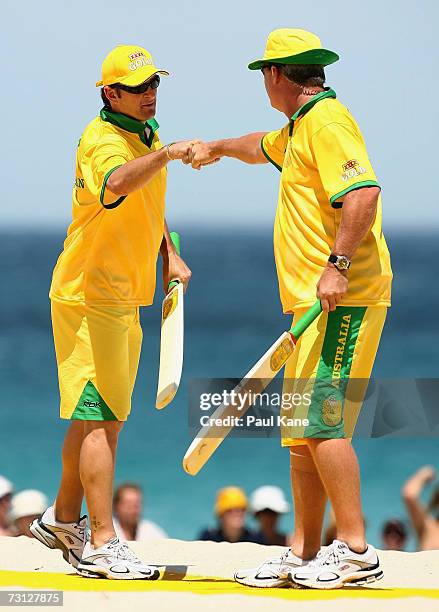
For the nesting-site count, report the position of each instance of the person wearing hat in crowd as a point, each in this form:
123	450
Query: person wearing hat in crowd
6	490
105	272
394	535
231	510
268	503
27	506
328	242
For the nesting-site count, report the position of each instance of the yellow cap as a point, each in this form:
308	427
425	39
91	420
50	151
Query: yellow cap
229	499
128	64
292	46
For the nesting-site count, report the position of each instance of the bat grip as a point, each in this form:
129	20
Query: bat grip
305	321
175	237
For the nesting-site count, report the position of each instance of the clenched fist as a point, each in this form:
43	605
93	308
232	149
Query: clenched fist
203	154
182	150
331	288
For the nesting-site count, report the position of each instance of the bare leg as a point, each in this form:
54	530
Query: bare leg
338	467
309	503
69	499
96	467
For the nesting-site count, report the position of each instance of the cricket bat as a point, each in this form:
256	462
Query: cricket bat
171	340
255	381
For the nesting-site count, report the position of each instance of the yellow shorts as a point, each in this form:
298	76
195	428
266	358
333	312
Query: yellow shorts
97	352
330	369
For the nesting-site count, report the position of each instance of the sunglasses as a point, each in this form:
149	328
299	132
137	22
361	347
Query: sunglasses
139	89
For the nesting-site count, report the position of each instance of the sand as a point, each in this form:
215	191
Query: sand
198	576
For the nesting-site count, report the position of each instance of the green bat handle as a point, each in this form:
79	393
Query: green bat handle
309	316
176	242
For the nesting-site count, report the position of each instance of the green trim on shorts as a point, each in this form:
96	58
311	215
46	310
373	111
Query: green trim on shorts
91	406
325	413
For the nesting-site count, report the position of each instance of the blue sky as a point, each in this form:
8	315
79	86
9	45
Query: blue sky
51	57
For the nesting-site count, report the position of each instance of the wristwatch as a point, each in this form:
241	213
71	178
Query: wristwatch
341	262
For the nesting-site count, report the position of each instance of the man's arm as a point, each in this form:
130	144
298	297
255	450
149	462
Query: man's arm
411	493
358	214
133	175
173	266
246	148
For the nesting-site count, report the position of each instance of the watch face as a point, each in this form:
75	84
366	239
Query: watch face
342	263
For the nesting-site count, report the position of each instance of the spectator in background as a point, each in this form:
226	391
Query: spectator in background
128	509
6	489
268	504
230	509
425	520
394	535
27	506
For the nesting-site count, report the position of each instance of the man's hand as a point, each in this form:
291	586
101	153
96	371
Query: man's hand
331	288
202	154
174	268
182	150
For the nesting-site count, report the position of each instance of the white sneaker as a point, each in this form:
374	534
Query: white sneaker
68	537
272	573
116	561
338	565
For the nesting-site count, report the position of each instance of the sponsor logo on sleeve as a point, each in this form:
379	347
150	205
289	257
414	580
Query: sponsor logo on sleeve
352	169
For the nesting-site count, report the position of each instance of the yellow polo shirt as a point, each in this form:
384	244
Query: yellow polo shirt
322	156
112	244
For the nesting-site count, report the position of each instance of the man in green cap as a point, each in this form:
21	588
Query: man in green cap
327	242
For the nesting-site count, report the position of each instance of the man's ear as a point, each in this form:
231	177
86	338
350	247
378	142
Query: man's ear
110	93
276	74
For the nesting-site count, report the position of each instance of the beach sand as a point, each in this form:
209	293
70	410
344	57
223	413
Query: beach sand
198	576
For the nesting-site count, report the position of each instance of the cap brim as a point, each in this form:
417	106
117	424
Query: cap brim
278	507
321	57
138	77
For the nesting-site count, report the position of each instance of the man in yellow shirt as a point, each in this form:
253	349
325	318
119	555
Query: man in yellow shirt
328	242
104	274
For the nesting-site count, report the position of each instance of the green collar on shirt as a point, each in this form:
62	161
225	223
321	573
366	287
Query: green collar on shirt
327	93
131	125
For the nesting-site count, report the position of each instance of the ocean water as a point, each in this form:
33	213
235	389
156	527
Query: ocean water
232	314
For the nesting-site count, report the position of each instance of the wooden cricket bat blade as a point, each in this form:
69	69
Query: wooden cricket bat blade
171	347
255	381
166	395
198	454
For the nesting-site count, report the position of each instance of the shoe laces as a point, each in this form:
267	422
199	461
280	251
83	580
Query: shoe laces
276	560
332	558
322	557
285	555
122	551
328	556
80	528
